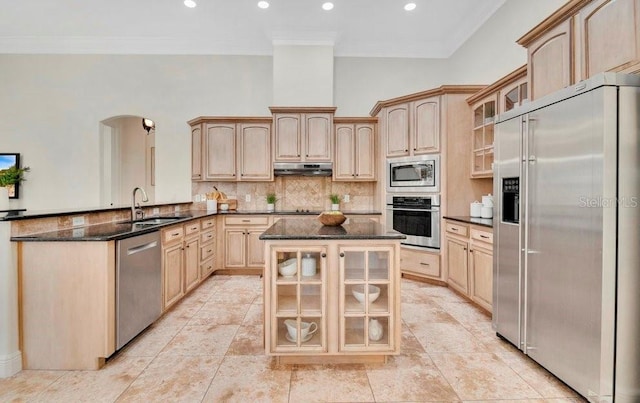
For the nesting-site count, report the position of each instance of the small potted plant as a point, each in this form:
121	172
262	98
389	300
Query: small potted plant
9	178
335	201
271	202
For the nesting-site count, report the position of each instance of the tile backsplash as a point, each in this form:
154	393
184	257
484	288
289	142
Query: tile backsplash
294	192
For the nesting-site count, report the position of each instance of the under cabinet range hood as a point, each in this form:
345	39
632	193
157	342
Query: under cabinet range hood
302	169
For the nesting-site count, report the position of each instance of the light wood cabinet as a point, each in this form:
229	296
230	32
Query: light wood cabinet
514	94
457	262
242	247
207	247
413	128
420	263
187	257
355	153
303	134
550	62
232	149
172	274
196	152
581	39
191	255
484	112
347	330
469	251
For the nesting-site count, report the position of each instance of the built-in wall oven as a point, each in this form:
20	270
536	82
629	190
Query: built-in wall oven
417	217
414	174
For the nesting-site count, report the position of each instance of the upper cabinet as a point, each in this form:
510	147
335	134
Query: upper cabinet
355	149
231	149
581	39
413	128
505	94
303	134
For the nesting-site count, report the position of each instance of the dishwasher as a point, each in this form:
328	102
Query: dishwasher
138	285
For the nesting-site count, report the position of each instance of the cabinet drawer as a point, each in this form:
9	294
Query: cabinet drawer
206	267
457	229
206	251
191	227
482	236
421	263
207	223
173	234
206	237
246	220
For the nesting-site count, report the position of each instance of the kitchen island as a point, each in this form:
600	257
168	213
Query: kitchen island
331	294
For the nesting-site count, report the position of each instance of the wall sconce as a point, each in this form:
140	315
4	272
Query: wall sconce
148	125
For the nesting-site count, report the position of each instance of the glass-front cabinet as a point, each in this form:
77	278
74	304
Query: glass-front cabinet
482	142
298	299
366	298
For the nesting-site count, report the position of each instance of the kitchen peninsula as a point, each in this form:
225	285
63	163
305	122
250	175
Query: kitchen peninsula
336	287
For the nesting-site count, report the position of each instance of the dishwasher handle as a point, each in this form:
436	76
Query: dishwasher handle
141	248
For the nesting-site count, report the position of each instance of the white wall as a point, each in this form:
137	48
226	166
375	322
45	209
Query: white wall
51	106
492	51
303	75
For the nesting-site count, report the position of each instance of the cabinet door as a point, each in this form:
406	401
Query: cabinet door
345	152
172	275
550	61
196	152
318	130
482	269
255	247
368	320
426	126
397	130
610	36
220	143
235	248
255	152
365	152
457	264
191	263
288	128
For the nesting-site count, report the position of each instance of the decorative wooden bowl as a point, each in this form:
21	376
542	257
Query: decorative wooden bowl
332	220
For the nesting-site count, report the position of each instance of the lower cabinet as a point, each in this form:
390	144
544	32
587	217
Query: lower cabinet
420	263
469	259
187	257
331	301
243	248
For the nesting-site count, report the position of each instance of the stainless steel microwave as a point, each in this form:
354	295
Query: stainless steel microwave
414	174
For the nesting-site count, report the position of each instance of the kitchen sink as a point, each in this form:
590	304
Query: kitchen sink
151	221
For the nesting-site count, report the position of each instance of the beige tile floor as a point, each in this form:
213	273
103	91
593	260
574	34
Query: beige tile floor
209	349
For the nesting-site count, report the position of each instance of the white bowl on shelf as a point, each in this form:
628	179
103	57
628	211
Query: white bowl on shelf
288	268
358	293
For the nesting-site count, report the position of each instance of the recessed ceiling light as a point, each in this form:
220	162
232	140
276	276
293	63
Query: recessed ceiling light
410	6
263	4
190	3
327	6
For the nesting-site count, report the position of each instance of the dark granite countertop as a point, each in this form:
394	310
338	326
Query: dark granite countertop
485	222
109	231
309	228
293	212
121	230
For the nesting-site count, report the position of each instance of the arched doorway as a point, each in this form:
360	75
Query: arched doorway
127	160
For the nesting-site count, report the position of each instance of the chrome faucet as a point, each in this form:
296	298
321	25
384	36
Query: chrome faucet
136	211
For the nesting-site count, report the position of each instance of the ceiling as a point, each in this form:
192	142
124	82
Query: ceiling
365	28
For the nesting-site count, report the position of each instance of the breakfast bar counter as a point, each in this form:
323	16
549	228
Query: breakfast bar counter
331	293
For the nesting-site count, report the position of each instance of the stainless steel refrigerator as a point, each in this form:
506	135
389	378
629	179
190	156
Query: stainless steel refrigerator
567	225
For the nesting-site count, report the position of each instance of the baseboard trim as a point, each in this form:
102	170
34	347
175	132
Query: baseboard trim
10	364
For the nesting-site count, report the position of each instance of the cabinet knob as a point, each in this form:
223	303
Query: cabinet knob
342	254
323	255
406	150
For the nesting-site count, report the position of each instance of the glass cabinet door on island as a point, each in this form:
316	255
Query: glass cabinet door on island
298	299
366	298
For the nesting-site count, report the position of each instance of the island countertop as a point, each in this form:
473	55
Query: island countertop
311	228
